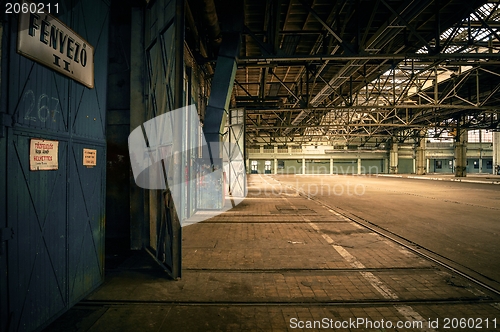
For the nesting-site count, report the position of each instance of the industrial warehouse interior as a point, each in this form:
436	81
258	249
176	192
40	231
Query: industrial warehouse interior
250	165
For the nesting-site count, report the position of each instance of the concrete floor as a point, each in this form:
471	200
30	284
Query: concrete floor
457	220
281	259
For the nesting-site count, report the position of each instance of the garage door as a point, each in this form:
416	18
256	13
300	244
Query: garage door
54	199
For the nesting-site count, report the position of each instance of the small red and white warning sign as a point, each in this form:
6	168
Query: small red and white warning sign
89	157
43	155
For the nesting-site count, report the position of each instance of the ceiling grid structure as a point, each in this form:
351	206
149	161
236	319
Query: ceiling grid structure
358	70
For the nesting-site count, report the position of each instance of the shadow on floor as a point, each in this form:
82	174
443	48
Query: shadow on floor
119	259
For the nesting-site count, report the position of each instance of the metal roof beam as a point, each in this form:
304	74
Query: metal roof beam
379	107
366	56
346	47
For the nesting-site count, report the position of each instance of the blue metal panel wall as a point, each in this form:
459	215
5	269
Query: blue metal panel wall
88	130
57	253
313	166
4	289
405	166
345	166
37	213
472	165
372	166
85	222
440	166
88	106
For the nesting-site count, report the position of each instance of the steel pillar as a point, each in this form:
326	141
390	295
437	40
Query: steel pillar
480	152
420	163
461	153
496	153
393	159
221	90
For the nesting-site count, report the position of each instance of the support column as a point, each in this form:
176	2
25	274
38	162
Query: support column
393	159
420	156
480	161
303	166
480	152
331	166
461	153
359	166
275	161
220	96
427	165
139	198
496	153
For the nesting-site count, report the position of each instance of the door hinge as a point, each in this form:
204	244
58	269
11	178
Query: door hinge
6	234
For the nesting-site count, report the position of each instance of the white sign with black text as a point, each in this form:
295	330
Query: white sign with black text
45	39
43	155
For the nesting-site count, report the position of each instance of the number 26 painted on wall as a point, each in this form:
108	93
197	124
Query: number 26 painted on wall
40	109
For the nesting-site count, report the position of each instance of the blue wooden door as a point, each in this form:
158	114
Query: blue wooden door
56	254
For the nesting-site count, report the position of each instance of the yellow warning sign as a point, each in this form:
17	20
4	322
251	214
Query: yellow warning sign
89	157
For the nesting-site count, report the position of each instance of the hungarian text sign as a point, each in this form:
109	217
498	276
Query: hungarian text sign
89	157
43	155
45	39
